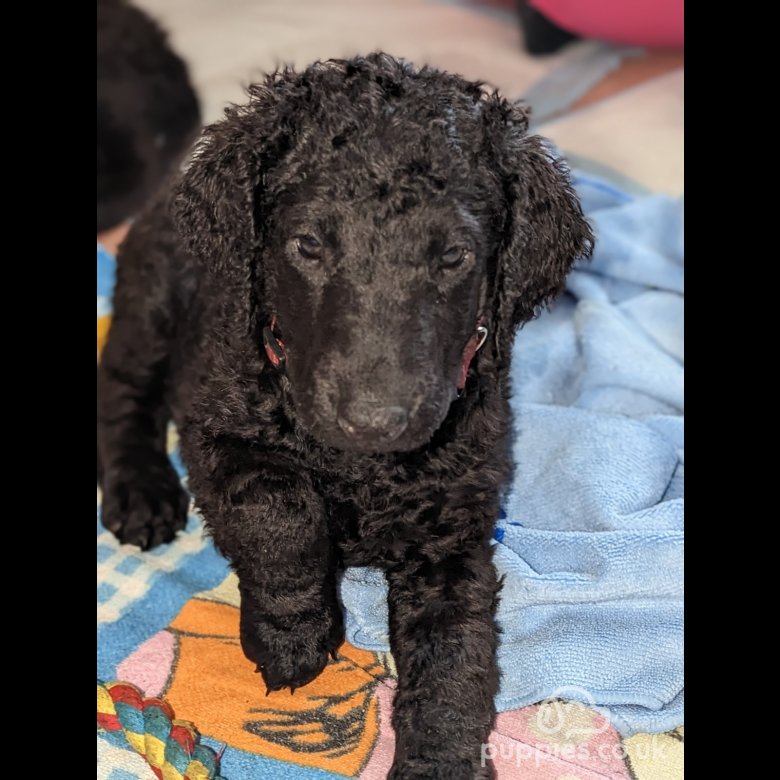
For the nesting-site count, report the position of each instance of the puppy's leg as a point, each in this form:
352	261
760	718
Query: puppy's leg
443	636
277	541
143	501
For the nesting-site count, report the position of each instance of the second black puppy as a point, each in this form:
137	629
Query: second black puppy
325	303
147	110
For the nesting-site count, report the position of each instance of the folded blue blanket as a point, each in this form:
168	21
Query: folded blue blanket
591	537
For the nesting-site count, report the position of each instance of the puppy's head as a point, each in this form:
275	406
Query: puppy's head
378	214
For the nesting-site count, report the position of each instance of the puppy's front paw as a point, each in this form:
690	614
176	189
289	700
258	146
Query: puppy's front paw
290	653
144	509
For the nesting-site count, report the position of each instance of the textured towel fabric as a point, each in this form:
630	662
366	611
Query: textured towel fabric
591	537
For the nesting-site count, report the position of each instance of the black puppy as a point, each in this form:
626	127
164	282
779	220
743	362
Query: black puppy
147	110
307	303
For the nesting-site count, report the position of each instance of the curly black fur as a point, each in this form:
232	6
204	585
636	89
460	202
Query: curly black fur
147	110
378	211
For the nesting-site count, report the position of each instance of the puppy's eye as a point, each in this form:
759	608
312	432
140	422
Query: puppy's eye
454	256
308	247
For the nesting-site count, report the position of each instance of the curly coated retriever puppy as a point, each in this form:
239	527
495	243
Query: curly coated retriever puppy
147	110
324	302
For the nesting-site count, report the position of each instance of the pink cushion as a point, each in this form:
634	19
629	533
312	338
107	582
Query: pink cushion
634	22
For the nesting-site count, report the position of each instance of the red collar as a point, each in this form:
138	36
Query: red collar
474	345
274	348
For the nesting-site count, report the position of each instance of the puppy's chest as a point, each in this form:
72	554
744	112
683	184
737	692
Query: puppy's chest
382	519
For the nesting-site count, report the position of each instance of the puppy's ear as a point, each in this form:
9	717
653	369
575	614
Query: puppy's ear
544	230
215	202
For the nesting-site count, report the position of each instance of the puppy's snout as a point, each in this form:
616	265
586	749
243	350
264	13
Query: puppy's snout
362	419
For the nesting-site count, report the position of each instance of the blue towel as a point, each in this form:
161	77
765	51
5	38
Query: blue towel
591	535
106	278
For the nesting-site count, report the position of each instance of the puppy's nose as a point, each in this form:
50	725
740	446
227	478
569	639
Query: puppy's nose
361	419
